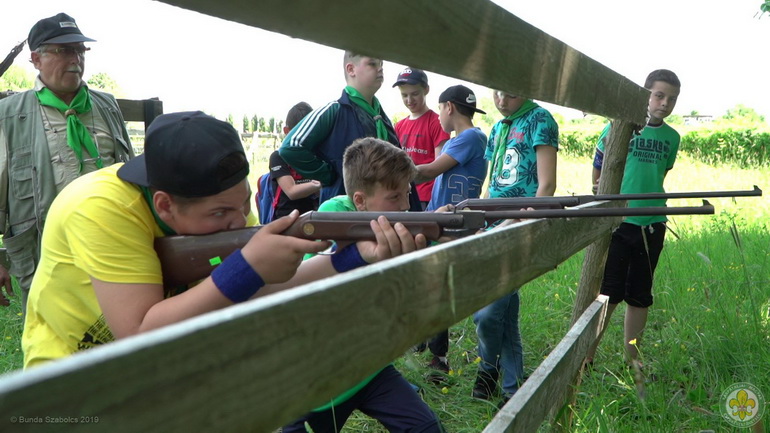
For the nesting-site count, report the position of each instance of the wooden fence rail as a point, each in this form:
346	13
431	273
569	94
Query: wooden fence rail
531	404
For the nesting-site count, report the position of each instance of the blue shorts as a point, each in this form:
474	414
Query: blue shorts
631	260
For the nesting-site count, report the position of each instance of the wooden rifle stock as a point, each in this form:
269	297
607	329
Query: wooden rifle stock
188	258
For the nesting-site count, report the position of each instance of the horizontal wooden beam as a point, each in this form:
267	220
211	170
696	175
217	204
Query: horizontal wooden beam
268	361
476	41
541	393
144	110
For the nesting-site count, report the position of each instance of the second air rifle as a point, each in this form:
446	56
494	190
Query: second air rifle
189	258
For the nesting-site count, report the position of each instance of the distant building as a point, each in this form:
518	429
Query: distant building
697	119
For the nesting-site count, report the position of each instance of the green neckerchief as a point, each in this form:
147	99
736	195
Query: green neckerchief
168	231
77	133
373	110
502	137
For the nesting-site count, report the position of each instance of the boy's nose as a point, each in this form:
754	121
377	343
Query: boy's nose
405	204
238	222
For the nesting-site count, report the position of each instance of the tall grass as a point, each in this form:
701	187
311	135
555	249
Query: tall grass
709	326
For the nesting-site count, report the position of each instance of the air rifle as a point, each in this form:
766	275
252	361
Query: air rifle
560	202
188	258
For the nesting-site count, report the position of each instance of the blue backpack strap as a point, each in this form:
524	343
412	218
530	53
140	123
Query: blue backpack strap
266	199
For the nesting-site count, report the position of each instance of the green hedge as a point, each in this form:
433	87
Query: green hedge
743	148
580	143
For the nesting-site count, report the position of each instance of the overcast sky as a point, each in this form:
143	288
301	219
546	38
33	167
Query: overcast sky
190	61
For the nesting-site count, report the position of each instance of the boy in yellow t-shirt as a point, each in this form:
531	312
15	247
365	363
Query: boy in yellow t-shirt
99	277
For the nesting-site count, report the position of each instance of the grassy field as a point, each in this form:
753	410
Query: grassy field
709	327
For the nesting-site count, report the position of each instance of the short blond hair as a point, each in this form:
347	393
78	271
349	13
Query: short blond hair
370	161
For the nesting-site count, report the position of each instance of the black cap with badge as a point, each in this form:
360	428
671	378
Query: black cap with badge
189	154
460	95
58	29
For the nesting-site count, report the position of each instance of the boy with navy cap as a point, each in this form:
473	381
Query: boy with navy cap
99	277
61	128
420	134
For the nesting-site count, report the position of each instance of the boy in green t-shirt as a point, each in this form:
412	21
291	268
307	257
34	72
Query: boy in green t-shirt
637	243
377	178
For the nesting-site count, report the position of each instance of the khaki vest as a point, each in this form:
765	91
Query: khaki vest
30	187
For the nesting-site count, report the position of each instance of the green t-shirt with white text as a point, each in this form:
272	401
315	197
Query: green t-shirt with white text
650	155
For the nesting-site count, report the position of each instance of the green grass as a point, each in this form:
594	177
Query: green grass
709	327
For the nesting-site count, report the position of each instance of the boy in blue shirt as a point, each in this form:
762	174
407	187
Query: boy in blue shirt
459	172
460	168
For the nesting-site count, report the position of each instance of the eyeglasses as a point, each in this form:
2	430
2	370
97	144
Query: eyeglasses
68	51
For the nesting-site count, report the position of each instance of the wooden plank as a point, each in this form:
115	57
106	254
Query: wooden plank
527	409
477	41
268	361
133	110
143	110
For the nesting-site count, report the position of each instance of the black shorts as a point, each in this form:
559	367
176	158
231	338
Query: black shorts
631	260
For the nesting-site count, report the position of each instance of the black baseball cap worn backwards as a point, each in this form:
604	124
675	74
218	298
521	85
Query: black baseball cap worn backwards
460	95
188	154
411	76
58	29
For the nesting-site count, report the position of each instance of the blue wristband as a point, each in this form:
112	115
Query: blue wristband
347	259
236	279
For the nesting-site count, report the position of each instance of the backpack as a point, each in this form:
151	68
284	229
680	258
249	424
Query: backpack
268	193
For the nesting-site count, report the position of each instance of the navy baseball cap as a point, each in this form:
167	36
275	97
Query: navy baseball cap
460	95
412	76
58	29
189	154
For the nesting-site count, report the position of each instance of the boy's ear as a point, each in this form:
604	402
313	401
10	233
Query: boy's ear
359	200
286	130
350	69
427	89
164	206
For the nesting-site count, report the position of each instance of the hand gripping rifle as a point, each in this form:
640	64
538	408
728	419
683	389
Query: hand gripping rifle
188	258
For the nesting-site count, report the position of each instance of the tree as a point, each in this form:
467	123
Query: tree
17	79
743	114
262	126
271	125
230	119
105	83
246	128
255	123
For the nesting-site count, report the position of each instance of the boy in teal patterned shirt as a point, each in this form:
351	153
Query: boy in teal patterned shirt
522	153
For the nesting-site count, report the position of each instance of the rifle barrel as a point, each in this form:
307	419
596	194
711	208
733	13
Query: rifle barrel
674	195
706	209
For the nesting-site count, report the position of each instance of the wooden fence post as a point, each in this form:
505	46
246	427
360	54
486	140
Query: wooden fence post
615	153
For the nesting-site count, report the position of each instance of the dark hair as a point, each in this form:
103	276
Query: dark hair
662	75
297	113
465	111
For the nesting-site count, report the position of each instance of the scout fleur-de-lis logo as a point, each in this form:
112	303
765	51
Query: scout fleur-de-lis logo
742	404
